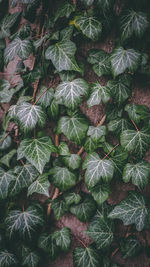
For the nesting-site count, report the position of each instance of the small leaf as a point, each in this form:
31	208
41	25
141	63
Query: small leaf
64	10
131	210
48	244
6	179
98	93
4	85
101	62
30	258
90	145
62	55
86	257
6	95
5	141
84	210
7	158
40	185
63	149
59	207
139	173
97	133
7	259
62	178
96	169
7	23
130	247
53	110
137	112
105	5
72	162
118	126
62	238
45	97
70	93
67	75
123	59
37	151
90	27
74	127
72	198
87	2
119	160
100	193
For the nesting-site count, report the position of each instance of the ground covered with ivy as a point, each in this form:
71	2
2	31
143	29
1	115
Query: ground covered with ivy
74	133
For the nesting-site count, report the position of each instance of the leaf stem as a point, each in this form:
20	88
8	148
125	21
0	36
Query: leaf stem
110	151
40	97
81	241
22	162
135	125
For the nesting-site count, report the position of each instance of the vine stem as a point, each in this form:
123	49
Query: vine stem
40	97
135	125
81	241
110	151
22	162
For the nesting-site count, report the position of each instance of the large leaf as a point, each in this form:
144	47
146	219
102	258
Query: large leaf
62	238
40	186
30	258
74	127
37	151
133	23
62	178
30	115
97	169
24	222
70	93
22	48
131	210
137	112
48	245
24	176
124	59
6	179
130	247
64	10
101	62
62	55
98	93
7	259
136	141
84	210
87	256
90	27
139	173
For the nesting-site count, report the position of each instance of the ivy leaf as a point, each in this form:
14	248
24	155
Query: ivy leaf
66	33
63	149
139	173
62	238
45	97
4	85
98	93
101	231
123	59
101	62
90	145
40	186
86	257
5	141
87	2
7	158
6	179
7	23
30	115
100	193
137	112
131	210
74	127
24	222
24	176
62	55
68	179
48	244
64	10
136	141
97	133
72	162
30	258
53	110
67	75
59	207
37	151
130	247
97	168
119	125
90	27
119	160
7	259
84	210
6	95
133	23
105	5
72	198
22	48
69	93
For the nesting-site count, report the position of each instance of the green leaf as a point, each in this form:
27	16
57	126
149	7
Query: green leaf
72	162
105	5
7	23
62	55
87	2
30	258
84	210
101	62
131	210
100	193
133	23
40	185
4	85
22	48
68	179
6	179
98	93
6	95
70	93
118	126
74	127
64	10
45	96
59	207
72	198
24	176
119	160
62	238
101	231
37	151
53	110
29	116
136	141
139	173
7	158
48	244
5	141
63	149
130	247
7	259
86	257
124	59
137	112
24	222
97	169
90	27
90	145
97	133
67	75
66	33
